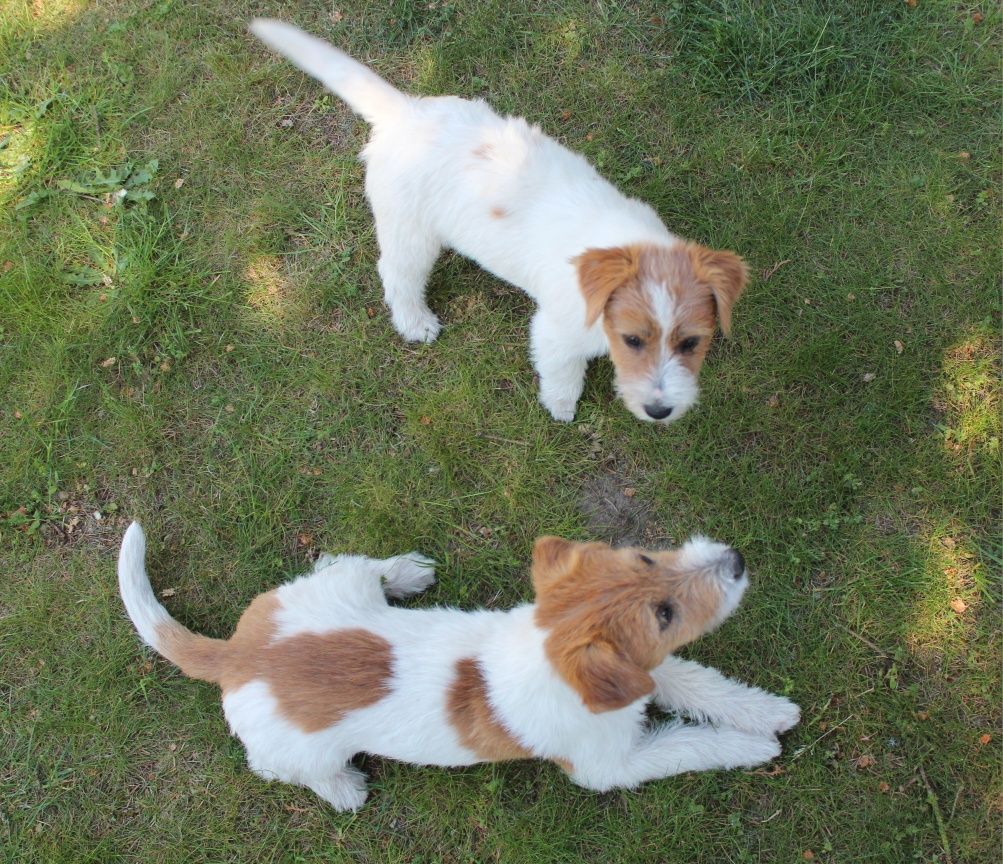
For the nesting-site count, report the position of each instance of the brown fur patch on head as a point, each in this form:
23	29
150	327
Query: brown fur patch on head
498	212
316	678
471	714
692	295
600	273
726	274
601	608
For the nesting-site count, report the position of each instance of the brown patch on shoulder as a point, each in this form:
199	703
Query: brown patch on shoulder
473	718
498	212
317	678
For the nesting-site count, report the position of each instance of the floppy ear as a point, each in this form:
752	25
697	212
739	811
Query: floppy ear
600	273
552	557
605	678
727	275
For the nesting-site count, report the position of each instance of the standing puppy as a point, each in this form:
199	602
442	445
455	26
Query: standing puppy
607	275
323	668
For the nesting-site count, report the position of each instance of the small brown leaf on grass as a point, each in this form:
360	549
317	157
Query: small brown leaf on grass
959	605
336	17
17	414
179	182
229	409
869	377
899	347
808	855
912	4
978	17
964	155
865	761
883	787
168	592
228	349
426	420
8	266
370	311
629	492
985	739
109	362
922	715
565	116
304	539
773	401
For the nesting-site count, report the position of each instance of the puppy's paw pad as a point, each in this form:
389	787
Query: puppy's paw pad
409	574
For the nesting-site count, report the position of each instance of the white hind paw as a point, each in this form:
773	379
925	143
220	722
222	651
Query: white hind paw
408	574
346	790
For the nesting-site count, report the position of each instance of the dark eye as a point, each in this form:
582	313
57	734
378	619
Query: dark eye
689	344
663	612
633	341
646	560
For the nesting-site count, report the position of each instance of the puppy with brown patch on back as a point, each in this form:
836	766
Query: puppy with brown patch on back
323	668
607	276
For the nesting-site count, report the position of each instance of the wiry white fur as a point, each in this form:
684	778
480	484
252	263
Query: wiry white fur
438	168
532	701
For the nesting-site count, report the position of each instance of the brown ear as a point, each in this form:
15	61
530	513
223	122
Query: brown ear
552	557
727	275
600	273
605	678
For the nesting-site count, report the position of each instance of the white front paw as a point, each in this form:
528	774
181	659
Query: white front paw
417	326
409	574
559	408
785	715
767	713
760	750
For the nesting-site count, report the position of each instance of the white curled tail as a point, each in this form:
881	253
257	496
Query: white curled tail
366	93
197	656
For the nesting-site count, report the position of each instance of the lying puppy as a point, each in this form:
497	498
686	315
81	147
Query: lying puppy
607	275
323	668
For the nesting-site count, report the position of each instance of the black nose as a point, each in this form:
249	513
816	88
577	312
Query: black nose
658	412
737	564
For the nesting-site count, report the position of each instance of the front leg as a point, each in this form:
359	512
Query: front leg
706	694
560	365
677	749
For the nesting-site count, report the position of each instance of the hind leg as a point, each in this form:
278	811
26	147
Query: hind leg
343	790
407	252
375	578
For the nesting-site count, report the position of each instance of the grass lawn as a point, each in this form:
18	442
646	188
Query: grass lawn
211	356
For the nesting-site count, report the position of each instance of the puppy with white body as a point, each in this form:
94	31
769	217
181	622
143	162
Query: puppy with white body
607	276
323	668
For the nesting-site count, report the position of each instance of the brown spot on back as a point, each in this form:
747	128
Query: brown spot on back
316	678
483	151
472	716
498	213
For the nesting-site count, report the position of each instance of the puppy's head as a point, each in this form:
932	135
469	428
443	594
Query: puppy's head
611	615
659	304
